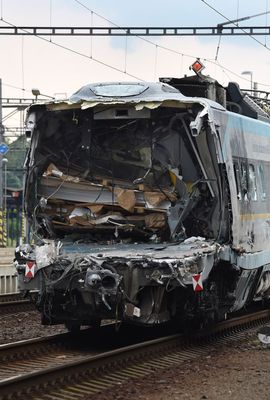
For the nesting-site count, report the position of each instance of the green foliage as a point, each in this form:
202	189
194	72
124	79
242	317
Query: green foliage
16	156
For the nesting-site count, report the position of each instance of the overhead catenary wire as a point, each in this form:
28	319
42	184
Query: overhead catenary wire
118	69
78	53
146	40
235	24
155	63
181	64
15	87
237	9
22	61
91	37
223	68
126	50
266	18
137	36
218	47
10	114
50	16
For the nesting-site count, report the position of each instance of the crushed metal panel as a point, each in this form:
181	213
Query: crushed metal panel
130	194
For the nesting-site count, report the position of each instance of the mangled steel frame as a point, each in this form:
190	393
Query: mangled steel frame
132	202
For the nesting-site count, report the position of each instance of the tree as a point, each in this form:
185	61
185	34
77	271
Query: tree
16	157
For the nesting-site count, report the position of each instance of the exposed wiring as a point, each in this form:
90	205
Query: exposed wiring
38	205
65	179
57	189
99	194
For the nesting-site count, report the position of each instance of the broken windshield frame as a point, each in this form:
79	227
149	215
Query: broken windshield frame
119	89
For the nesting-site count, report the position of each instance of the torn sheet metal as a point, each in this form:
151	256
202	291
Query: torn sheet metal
46	253
129	204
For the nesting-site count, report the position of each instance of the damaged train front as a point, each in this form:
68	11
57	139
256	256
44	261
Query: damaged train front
123	202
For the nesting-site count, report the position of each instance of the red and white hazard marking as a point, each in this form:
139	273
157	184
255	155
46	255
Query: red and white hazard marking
30	269
197	282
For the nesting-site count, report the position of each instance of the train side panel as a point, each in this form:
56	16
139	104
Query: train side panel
245	146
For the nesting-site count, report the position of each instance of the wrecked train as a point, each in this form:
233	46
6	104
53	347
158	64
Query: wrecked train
147	202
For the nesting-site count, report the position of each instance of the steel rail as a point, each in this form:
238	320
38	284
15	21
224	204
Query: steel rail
14	303
10	297
92	373
14	307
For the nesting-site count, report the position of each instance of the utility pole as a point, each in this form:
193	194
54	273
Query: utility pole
1	157
2	225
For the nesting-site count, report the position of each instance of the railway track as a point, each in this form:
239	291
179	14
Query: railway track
75	367
14	303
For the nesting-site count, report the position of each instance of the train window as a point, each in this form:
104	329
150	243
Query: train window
252	185
261	182
244	181
237	175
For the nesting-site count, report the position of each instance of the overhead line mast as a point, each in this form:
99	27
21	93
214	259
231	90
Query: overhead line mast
135	31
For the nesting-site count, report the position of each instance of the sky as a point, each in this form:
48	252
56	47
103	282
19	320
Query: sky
31	62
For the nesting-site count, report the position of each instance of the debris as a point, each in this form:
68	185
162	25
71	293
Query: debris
120	183
154	198
46	253
194	239
155	220
52	170
126	198
264	335
80	216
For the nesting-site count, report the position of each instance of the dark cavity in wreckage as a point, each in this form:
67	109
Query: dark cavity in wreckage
147	202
